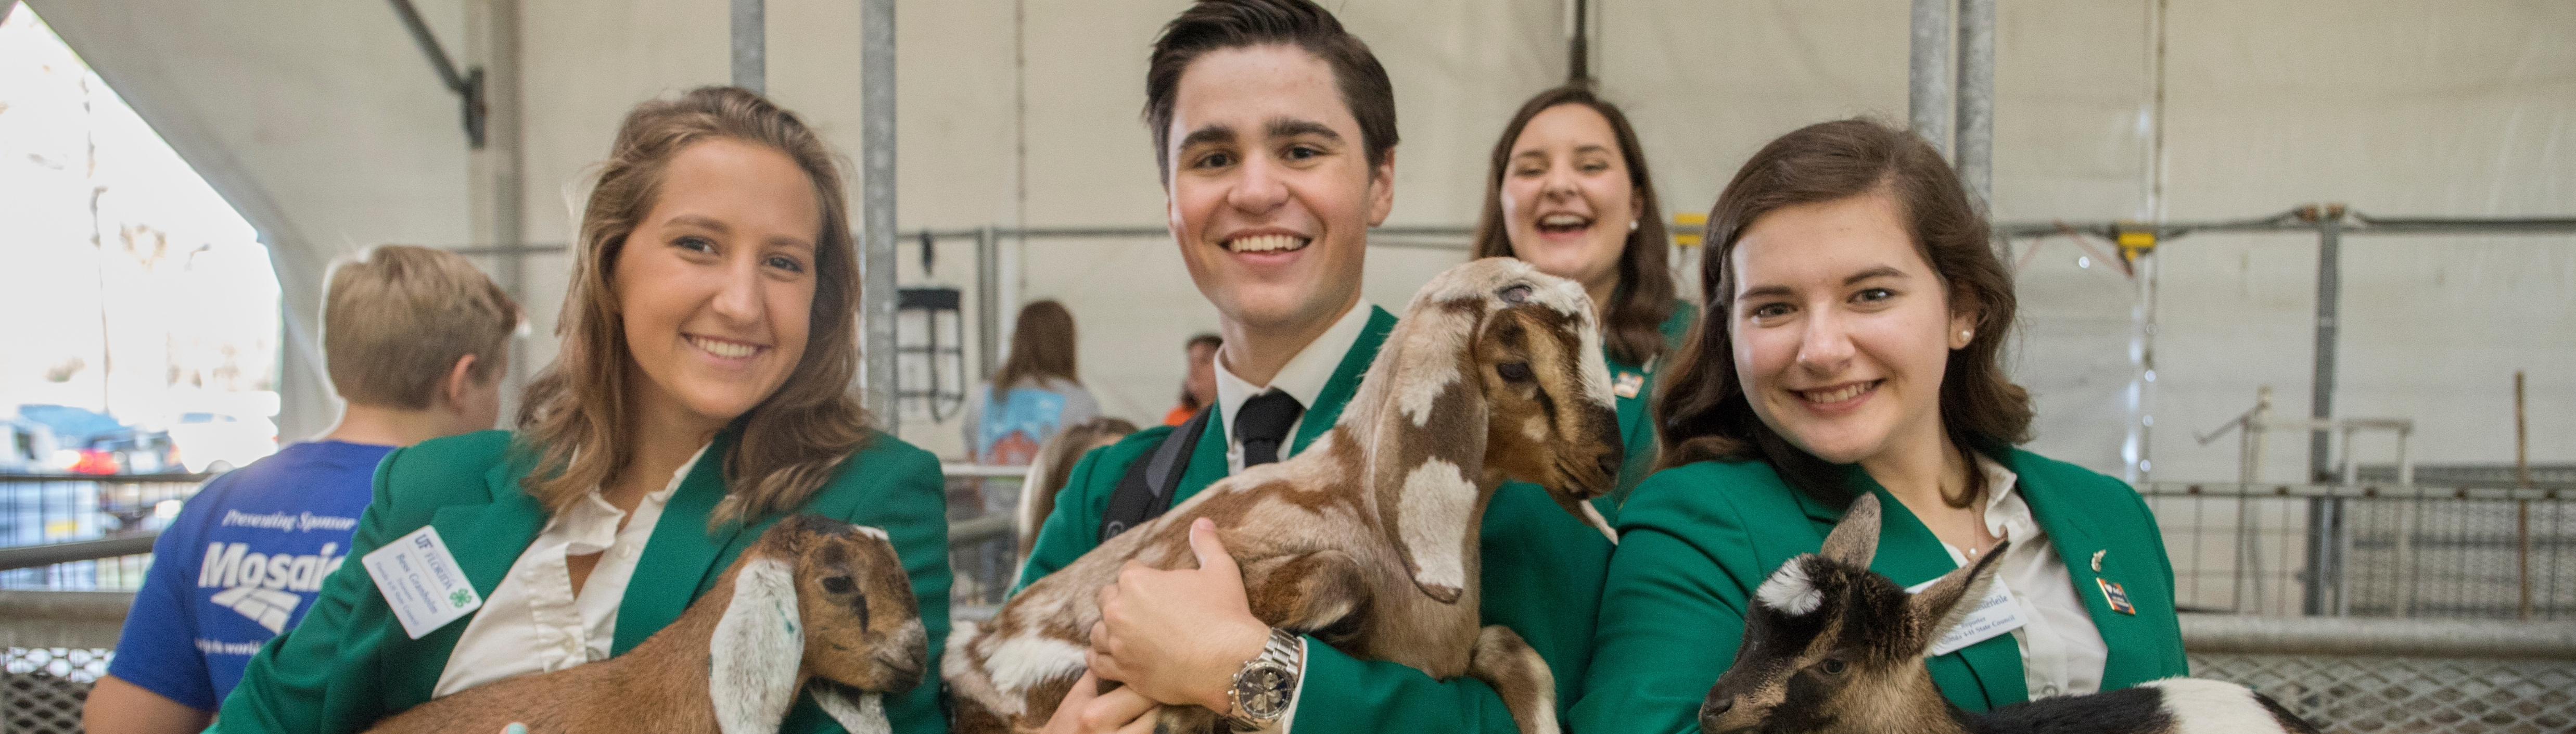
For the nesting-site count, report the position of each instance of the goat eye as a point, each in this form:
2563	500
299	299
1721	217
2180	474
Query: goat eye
1834	666
837	584
1515	371
1518	293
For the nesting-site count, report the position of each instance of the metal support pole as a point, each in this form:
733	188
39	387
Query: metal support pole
751	45
876	207
2329	305
1927	78
988	303
1578	64
1976	120
2325	516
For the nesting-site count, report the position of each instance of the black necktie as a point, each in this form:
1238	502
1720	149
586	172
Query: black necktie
1263	424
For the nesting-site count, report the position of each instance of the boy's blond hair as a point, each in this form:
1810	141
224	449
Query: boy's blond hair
396	318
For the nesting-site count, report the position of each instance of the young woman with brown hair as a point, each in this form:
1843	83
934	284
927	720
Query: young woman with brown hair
702	392
1037	392
1568	191
1857	313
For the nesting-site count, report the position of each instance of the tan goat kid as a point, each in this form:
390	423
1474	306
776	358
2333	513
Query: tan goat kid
1367	539
815	602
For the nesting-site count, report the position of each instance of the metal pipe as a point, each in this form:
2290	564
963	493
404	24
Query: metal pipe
420	35
1578	50
751	45
876	207
1976	120
2329	223
2246	634
988	303
1927	99
31	556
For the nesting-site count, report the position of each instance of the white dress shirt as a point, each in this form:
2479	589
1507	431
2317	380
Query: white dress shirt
533	622
1302	378
2061	652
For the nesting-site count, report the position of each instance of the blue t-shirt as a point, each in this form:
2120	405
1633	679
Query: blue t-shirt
241	563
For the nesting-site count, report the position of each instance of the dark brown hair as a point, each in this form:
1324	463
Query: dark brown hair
1703	413
1633	329
1041	347
1207	339
574	414
1216	25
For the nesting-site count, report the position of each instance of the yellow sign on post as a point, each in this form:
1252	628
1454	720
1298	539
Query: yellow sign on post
1687	228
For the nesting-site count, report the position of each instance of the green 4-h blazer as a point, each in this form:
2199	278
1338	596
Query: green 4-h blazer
1696	540
1633	385
350	663
1542	572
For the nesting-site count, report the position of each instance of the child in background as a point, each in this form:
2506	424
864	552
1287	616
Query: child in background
416	340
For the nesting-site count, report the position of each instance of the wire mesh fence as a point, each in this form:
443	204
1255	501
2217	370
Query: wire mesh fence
2417	552
42	689
51	509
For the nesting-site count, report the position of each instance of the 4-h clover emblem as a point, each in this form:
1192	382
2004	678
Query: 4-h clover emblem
459	597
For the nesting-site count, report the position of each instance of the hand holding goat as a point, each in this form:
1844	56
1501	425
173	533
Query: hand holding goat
1368	539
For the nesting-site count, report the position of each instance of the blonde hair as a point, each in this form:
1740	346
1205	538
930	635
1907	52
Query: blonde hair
573	417
396	318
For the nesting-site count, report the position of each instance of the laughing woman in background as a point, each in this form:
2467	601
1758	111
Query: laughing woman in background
1856	314
702	392
1568	191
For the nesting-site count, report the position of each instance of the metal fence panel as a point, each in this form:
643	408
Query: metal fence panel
2370	694
2416	552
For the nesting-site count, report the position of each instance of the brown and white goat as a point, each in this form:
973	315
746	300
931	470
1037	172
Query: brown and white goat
814	602
1832	648
1367	540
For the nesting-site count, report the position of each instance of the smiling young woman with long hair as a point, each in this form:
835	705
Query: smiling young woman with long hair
1856	317
1568	191
701	393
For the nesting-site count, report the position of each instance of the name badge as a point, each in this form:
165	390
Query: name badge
421	582
1996	614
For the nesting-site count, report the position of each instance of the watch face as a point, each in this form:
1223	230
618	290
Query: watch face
1264	690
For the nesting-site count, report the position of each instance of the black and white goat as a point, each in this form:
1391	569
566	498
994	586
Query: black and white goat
1832	648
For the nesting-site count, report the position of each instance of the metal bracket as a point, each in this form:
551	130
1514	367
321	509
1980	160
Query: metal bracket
467	86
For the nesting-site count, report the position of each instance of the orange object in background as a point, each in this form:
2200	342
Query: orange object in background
96	461
1180	414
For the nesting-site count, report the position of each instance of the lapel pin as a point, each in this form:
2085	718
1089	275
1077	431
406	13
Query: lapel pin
1628	384
2117	597
2097	559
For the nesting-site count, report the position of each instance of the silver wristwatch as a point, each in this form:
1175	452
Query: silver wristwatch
1267	684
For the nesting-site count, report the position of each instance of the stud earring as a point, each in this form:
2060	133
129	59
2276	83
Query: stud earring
1966	334
1632	225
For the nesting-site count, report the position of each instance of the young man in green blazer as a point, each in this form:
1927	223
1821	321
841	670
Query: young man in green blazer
1276	131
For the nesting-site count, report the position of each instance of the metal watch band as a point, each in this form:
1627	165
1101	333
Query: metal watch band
1261	690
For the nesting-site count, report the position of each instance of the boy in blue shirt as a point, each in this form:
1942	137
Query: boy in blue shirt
416	341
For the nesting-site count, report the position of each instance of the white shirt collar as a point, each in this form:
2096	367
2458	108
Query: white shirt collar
1302	378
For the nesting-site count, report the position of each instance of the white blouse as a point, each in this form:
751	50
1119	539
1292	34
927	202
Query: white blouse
2061	652
533	622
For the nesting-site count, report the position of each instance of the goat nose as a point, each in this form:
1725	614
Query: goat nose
1717	706
1610	461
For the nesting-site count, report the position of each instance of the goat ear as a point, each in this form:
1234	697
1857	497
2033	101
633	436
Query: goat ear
757	649
1854	541
1431	509
1946	602
860	712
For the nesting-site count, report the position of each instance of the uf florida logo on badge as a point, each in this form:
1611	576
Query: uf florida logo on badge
2117	597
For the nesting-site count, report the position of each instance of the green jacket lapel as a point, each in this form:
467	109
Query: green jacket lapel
1346	379
2076	544
486	539
682	554
1207	459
